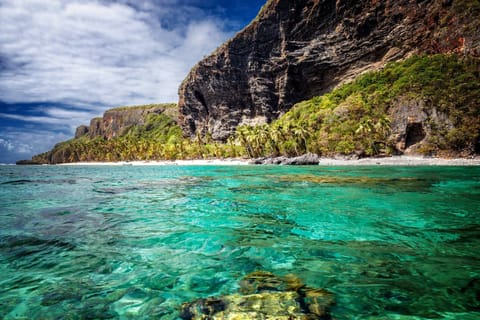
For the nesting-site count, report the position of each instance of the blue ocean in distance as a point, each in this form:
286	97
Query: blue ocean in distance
135	242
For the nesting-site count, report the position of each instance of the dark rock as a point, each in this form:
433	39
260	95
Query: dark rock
297	49
258	161
306	159
81	131
269	160
447	3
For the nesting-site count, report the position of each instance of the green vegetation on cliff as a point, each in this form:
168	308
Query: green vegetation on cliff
159	137
170	109
437	95
362	116
138	142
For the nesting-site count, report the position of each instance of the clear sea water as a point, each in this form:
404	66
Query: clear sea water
129	242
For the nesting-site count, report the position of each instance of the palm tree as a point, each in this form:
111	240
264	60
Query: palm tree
374	132
243	134
275	138
301	135
232	150
365	127
382	126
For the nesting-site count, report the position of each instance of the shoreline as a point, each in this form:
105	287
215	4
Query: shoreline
401	161
386	161
197	162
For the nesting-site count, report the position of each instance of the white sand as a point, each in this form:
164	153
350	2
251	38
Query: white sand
390	161
199	162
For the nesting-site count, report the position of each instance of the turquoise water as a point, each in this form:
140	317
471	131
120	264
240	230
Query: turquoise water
135	242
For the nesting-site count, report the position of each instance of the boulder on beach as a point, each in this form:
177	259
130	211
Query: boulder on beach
306	159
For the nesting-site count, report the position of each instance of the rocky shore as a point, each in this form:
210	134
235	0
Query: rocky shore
313	159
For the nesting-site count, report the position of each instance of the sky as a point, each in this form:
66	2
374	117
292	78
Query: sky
63	62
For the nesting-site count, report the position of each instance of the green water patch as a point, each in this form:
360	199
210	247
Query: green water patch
380	184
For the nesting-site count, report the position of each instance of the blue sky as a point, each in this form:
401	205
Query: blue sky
63	62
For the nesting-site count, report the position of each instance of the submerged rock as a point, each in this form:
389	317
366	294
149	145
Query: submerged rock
261	281
264	295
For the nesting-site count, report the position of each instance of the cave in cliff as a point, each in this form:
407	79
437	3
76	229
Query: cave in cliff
414	134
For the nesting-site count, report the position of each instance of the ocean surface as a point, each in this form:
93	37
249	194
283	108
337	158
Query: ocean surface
130	242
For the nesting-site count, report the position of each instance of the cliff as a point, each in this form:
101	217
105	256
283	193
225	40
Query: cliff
297	49
116	122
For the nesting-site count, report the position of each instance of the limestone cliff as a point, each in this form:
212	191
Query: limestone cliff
297	49
115	122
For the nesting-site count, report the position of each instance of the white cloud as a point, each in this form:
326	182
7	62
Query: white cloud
7	144
99	53
20	143
61	118
90	55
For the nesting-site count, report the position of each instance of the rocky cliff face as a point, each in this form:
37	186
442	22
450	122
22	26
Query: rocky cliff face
297	49
115	122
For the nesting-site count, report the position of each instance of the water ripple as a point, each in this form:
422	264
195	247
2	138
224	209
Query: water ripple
137	242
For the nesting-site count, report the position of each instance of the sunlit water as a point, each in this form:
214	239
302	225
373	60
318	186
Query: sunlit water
135	242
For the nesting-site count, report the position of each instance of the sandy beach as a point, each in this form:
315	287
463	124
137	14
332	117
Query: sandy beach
388	161
197	162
